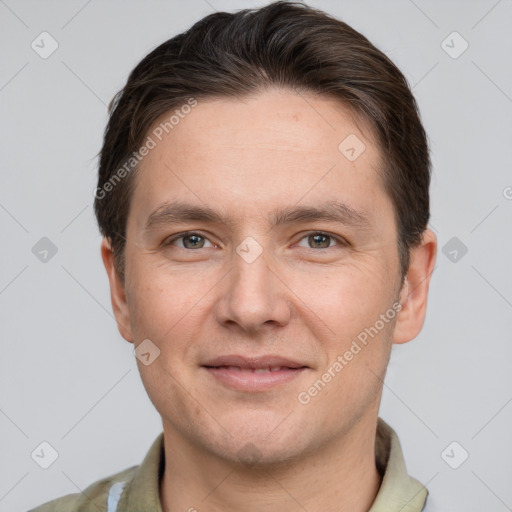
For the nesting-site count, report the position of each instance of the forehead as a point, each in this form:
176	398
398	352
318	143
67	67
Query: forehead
262	151
273	120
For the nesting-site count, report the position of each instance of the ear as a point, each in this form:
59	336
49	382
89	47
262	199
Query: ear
117	292
414	293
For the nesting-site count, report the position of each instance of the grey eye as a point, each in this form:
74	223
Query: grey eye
318	241
193	241
190	241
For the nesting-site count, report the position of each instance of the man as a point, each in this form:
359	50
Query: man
263	197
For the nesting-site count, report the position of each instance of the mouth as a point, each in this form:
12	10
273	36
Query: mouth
253	374
267	369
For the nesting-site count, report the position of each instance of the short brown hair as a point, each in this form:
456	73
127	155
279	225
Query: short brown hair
287	45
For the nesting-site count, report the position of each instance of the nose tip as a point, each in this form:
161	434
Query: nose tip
252	295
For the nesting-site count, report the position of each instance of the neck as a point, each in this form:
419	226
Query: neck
340	476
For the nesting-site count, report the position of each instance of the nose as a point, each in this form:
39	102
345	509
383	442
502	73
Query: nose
253	296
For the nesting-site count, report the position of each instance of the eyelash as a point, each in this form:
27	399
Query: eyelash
340	241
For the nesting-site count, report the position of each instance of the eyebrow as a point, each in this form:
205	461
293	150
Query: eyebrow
333	211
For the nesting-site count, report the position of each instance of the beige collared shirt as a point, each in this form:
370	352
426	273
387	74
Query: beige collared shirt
137	489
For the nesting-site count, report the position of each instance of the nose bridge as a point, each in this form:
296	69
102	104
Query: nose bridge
252	296
251	275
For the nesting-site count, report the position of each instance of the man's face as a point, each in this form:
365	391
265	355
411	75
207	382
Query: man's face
262	280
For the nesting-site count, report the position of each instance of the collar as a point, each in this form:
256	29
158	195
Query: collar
398	491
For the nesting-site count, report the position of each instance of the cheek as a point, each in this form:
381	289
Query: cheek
346	298
161	300
166	309
171	307
350	301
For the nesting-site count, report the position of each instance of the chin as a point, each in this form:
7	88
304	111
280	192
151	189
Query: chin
261	439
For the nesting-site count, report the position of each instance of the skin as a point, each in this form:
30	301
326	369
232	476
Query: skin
300	299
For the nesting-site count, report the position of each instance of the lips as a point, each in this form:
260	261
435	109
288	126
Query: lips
255	370
253	374
262	363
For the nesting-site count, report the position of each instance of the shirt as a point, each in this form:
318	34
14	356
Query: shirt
136	489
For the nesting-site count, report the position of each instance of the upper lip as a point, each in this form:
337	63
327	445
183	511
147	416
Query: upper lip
253	362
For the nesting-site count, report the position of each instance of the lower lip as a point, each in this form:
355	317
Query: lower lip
250	381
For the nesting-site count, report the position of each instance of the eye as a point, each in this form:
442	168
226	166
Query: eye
188	241
319	240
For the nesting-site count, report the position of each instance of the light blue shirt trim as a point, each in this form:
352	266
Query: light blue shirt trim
114	495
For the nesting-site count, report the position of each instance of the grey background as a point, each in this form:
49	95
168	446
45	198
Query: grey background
66	375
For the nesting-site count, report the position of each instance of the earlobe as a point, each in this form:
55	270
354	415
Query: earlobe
117	292
414	292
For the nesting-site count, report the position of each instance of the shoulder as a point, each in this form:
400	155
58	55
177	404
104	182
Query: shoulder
92	499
